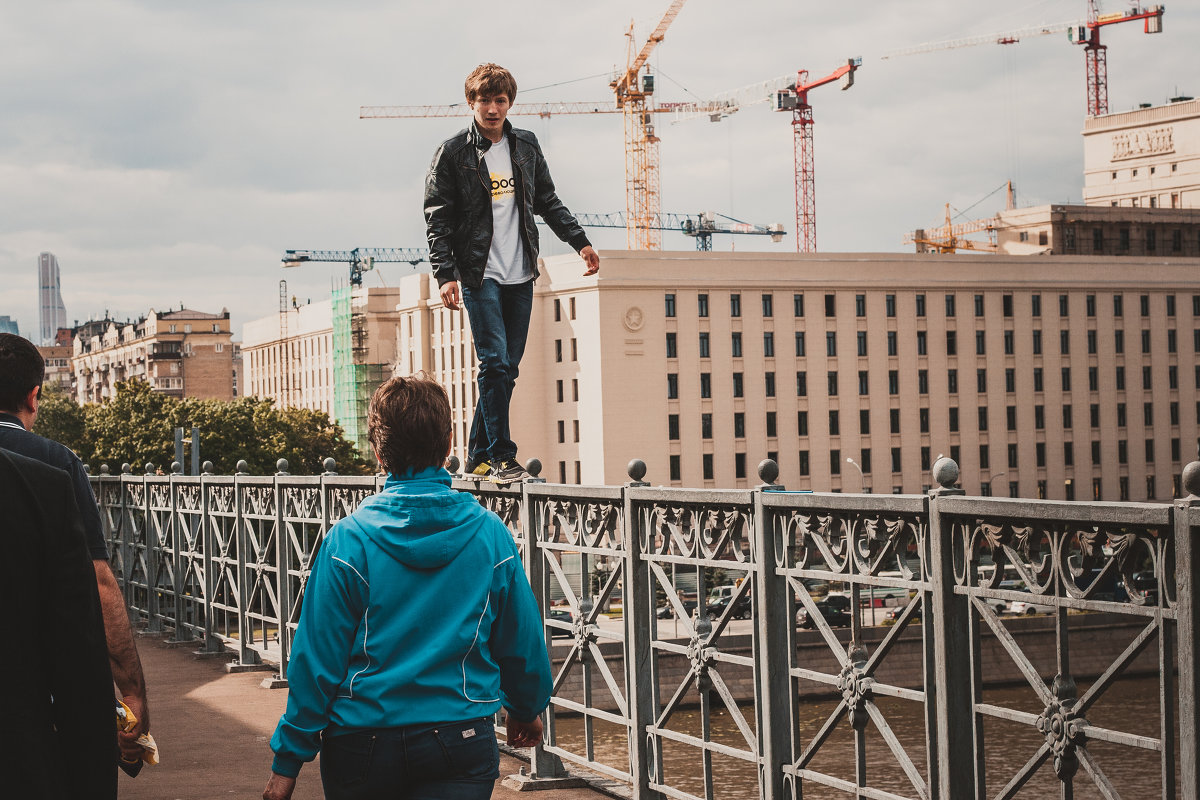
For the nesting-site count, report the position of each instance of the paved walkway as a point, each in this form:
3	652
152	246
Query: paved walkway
213	730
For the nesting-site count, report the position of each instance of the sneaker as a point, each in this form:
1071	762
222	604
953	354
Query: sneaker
483	469
508	472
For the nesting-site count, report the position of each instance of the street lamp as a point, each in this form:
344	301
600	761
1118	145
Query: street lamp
992	478
862	479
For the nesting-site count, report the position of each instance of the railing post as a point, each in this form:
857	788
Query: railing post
1187	576
542	764
207	540
153	556
247	656
282	584
645	763
952	689
125	544
773	645
176	536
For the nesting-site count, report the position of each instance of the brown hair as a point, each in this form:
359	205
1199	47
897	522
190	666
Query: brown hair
408	424
489	80
22	369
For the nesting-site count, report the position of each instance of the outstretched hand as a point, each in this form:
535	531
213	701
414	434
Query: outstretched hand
523	734
591	258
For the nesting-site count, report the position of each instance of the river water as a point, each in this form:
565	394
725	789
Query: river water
1131	706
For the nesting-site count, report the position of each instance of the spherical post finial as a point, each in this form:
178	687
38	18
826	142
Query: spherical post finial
206	468
636	470
768	471
1191	479
176	468
104	470
281	467
945	472
534	467
242	467
126	468
330	466
452	465
150	468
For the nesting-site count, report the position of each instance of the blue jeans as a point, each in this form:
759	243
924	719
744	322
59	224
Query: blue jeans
445	761
499	315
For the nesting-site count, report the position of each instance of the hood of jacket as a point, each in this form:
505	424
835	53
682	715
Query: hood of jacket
417	521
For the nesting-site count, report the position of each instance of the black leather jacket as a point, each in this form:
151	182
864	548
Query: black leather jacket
458	204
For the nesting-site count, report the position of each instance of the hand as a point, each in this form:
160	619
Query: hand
523	734
591	258
130	749
279	788
451	295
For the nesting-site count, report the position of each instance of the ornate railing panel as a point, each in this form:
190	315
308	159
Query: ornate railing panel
225	559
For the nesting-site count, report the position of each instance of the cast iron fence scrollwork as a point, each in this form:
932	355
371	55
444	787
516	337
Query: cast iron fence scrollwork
225	560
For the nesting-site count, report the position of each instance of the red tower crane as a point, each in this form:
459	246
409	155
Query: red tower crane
796	100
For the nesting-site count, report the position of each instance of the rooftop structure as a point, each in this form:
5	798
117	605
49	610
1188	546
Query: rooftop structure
1145	158
52	315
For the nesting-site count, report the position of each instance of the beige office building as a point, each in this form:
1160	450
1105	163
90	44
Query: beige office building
1058	377
1145	158
181	353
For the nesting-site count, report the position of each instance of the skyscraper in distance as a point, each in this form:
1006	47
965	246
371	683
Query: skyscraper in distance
52	315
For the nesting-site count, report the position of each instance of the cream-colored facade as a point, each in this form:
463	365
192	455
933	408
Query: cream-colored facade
58	367
304	343
181	353
1063	377
1145	158
1076	230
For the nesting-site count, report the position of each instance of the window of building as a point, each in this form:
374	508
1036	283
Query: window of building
1038	380
799	344
831	343
735	305
894	420
864	421
769	381
1039	417
1006	304
1039	452
1172	377
949	305
1066	416
704	351
835	462
768	344
1012	456
771	425
981	380
830	305
832	379
670	305
1009	345
920	305
739	465
559	388
671	349
1069	454
979	305
1066	379
1093	379
892	346
1171	342
1173	412
575	389
737	384
798	305
926	458
557	310
804	462
802	423
953	419
860	305
708	466
702	305
952	381
922	346
1095	453
1122	417
706	384
1036	305
863	382
1122	452
1119	341
893	381
672	426
861	338
983	418
706	426
768	305
739	425
980	343
1011	416
895	459
574	350
889	305
1170	305
735	342
672	386
1149	451
922	381
802	384
1144	305
1010	380
834	424
1146	377
984	457
676	469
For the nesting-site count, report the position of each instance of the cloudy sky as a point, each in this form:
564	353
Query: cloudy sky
169	152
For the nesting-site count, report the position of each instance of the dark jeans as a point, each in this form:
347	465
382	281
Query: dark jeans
499	315
445	761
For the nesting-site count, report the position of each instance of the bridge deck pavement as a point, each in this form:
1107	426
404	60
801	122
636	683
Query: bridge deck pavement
213	730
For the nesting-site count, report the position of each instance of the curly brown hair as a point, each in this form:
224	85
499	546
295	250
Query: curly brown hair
408	424
489	80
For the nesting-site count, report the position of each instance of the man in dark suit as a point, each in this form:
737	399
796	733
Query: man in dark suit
22	370
59	737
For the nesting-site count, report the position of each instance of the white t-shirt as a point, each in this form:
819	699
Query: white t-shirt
506	259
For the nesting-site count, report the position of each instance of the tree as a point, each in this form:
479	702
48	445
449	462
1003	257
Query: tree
62	419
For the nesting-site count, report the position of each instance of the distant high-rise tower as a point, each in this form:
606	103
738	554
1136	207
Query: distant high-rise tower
52	314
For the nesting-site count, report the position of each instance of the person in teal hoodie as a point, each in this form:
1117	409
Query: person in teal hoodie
418	625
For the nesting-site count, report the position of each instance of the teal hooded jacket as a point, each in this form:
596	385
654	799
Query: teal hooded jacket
417	611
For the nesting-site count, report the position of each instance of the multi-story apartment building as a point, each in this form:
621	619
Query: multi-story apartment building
182	353
58	368
1058	377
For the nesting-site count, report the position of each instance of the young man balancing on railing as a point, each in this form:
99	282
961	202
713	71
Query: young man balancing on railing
418	625
485	186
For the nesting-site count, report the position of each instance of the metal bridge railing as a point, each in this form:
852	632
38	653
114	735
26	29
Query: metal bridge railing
696	701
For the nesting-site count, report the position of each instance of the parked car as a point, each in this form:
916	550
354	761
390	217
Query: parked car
741	609
834	617
667	611
560	615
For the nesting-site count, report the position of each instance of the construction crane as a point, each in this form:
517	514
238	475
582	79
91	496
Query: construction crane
949	238
796	100
1086	33
360	259
634	95
700	226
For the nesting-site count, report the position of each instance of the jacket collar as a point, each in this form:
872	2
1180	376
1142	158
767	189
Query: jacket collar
481	142
8	420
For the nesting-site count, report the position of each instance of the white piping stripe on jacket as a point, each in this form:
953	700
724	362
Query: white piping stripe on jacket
366	629
478	625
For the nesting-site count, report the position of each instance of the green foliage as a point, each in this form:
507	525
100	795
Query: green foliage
138	426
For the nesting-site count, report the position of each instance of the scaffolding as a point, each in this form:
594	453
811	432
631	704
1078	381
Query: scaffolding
353	380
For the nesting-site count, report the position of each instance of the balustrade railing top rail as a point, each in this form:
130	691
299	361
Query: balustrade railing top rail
645	594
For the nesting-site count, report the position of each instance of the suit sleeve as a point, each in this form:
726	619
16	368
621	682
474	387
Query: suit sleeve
84	708
441	213
518	643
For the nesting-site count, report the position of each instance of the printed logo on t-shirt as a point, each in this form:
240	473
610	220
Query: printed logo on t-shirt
503	185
